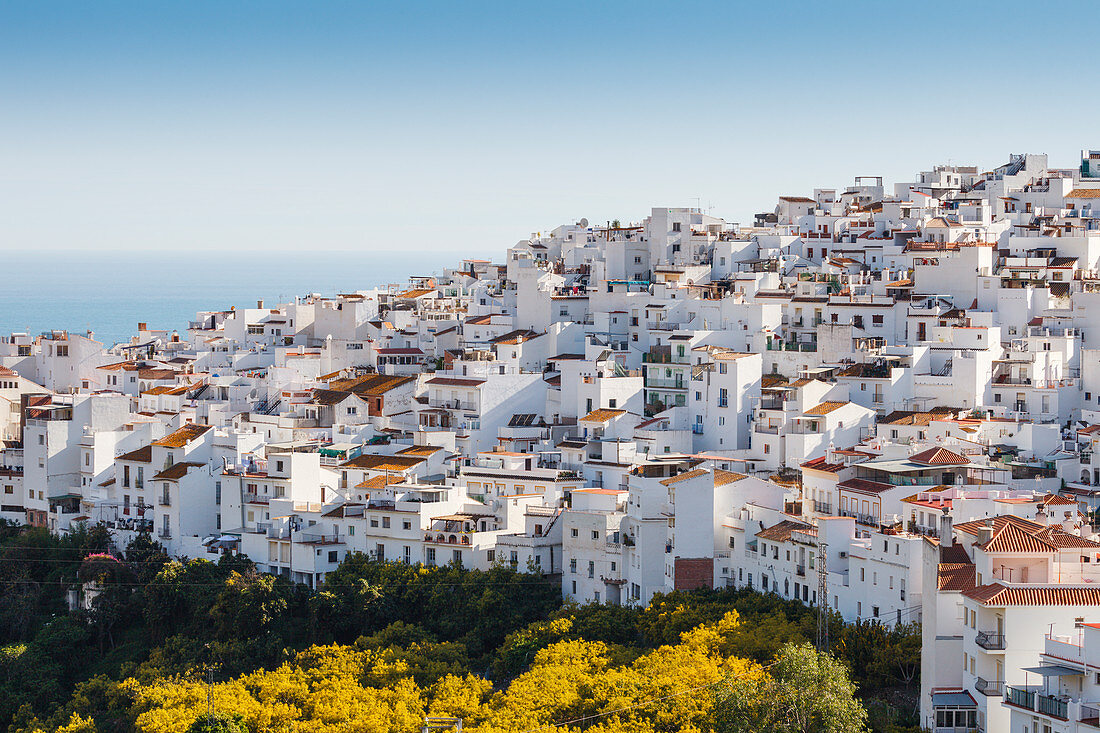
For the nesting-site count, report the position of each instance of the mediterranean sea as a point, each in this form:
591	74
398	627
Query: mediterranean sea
110	292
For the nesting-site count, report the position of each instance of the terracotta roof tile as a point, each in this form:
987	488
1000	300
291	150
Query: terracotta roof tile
721	478
939	457
955	576
183	436
825	408
995	594
683	477
602	414
141	455
782	532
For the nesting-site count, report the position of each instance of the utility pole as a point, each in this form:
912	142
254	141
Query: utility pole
822	600
210	692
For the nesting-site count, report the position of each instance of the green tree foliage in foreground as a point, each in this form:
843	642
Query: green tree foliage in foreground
385	644
804	691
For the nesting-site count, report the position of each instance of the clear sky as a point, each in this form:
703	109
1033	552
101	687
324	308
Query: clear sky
468	125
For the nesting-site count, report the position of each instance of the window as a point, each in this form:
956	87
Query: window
573	566
429	556
573	532
591	569
877	320
595	534
675	226
332	555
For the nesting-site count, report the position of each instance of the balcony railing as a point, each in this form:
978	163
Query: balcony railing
800	570
990	688
861	518
165	500
990	640
1020	698
319	539
823	507
1048	705
164	533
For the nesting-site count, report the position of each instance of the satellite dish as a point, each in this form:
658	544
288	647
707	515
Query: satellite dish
583	223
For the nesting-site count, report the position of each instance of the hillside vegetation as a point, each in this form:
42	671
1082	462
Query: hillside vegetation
381	645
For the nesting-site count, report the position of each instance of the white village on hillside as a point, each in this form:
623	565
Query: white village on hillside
880	399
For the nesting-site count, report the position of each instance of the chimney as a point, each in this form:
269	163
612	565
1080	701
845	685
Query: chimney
985	534
259	304
143	326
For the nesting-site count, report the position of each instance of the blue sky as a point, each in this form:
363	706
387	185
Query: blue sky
466	126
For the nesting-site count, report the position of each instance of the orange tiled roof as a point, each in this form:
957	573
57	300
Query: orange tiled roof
1012	538
602	414
995	594
825	407
782	532
820	464
973	527
141	455
721	478
952	576
183	436
383	463
939	457
176	471
682	477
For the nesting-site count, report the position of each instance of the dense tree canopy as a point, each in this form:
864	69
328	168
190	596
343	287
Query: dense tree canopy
380	645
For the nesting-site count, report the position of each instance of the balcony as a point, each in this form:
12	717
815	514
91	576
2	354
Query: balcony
1020	698
320	539
868	519
165	500
165	533
782	346
800	570
697	428
1052	706
656	383
989	688
767	429
990	640
823	507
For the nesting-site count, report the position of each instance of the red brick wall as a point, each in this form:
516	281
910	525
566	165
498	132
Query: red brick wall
694	572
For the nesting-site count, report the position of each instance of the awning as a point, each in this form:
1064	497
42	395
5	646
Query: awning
953	700
1054	670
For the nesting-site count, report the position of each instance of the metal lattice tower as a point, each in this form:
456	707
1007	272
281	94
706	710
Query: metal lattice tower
822	600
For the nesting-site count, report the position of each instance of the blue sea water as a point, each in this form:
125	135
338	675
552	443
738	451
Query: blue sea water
110	292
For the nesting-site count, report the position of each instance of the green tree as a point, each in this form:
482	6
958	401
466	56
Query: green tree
218	724
804	691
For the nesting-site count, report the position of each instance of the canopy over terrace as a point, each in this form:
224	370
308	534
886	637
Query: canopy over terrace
933	467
